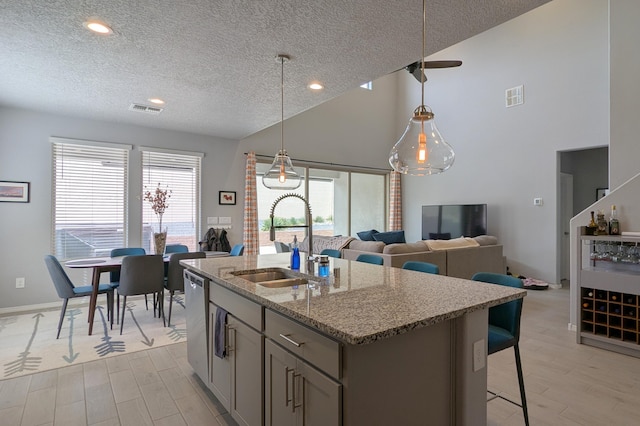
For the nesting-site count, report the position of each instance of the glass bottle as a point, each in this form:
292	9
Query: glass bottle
295	254
614	224
592	227
603	226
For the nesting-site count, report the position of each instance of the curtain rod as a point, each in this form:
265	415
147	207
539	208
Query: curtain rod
328	164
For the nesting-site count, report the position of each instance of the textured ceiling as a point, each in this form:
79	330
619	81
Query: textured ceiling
214	61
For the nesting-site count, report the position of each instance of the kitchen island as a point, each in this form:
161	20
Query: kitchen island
367	345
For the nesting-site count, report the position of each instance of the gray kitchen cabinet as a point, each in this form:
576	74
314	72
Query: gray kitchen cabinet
236	379
297	393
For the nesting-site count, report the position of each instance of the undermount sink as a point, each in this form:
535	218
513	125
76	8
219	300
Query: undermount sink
284	282
272	278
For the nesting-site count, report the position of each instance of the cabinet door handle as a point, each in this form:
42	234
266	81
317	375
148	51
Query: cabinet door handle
227	347
290	340
294	405
287	400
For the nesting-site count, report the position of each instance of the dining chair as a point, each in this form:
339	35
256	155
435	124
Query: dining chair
114	276
176	248
370	258
175	279
415	265
66	290
332	253
237	250
504	330
142	275
281	247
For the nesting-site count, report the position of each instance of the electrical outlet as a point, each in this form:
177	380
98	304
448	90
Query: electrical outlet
20	282
479	357
537	202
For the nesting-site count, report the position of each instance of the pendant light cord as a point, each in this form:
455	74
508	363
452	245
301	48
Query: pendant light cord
282	104
424	37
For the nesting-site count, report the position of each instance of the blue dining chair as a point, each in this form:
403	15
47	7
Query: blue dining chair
370	258
504	330
332	253
415	265
176	248
114	276
237	250
66	290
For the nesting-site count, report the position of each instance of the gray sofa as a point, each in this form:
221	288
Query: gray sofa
455	258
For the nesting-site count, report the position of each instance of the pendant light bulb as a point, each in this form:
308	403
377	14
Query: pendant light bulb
421	149
281	174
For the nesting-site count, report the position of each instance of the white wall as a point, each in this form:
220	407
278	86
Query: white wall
507	156
624	149
25	155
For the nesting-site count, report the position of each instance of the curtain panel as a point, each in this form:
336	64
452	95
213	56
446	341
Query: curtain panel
250	233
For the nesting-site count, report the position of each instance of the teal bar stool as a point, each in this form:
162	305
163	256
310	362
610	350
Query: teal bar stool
370	258
332	253
504	330
427	267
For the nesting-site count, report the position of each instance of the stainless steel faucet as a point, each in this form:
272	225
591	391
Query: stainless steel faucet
308	220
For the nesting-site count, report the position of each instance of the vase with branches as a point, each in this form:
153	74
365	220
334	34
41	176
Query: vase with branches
158	200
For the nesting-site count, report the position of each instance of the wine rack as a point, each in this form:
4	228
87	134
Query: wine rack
609	293
610	314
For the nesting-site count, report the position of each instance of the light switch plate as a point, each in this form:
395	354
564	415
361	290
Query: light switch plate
224	220
212	220
479	357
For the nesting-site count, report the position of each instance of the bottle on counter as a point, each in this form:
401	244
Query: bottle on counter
603	226
592	227
614	224
295	254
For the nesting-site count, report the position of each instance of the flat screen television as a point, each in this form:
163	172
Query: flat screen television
444	222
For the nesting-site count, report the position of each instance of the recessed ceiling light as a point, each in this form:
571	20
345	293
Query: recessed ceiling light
98	27
316	86
156	101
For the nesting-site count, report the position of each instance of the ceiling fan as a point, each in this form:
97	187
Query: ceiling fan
416	68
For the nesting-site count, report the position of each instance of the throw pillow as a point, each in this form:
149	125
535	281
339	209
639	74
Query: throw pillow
390	237
443	236
367	235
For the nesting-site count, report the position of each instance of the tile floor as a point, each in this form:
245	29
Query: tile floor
566	383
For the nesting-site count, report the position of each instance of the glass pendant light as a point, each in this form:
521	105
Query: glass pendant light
421	149
281	174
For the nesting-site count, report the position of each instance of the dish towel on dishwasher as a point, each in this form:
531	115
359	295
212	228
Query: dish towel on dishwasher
219	335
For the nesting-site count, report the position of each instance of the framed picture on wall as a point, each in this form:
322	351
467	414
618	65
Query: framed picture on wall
227	197
601	192
14	192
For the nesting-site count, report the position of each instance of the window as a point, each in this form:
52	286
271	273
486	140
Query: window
342	203
180	173
89	197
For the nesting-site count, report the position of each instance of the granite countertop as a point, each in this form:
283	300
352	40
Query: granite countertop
359	303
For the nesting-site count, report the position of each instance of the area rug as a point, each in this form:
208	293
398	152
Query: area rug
28	342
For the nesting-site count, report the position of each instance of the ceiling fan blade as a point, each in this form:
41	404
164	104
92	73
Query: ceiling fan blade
415	69
441	64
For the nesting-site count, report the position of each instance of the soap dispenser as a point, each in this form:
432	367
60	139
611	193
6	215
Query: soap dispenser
295	254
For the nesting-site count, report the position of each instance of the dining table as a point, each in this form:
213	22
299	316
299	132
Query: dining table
101	265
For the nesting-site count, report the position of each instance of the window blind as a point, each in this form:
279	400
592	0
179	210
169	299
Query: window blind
178	172
89	198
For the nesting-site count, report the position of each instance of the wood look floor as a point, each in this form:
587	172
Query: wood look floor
566	383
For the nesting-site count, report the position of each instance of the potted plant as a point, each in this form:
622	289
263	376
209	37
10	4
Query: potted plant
158	200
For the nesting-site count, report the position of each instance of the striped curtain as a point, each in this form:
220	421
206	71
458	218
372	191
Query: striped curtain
250	234
395	202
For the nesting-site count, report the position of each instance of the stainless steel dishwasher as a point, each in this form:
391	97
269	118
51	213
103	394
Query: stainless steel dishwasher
196	292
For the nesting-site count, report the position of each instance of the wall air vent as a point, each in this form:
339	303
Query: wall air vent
145	109
514	96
